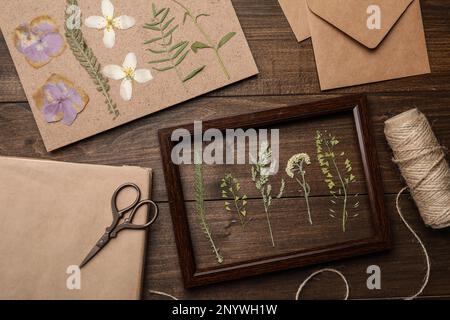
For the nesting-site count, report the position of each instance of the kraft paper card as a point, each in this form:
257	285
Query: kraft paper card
296	13
348	52
91	65
54	214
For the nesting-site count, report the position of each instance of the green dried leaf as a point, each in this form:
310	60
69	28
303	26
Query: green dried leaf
169	33
176	46
225	39
186	14
198	46
180	60
163	69
167	24
194	73
179	51
155	28
156	51
153	40
159	61
166	12
201	15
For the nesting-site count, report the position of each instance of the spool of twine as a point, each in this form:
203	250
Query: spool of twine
421	160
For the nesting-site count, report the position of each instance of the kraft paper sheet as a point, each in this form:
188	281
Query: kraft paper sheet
53	214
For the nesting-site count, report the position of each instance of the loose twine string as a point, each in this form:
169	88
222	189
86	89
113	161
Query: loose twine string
424	249
347	287
422	163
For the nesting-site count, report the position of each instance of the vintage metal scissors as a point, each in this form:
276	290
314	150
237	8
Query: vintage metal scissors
127	224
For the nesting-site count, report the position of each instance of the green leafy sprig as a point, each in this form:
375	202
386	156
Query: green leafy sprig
260	176
337	180
199	190
231	189
208	42
171	55
85	56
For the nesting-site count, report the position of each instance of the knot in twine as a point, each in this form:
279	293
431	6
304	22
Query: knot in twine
422	163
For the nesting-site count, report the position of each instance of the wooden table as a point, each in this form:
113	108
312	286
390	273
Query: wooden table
288	76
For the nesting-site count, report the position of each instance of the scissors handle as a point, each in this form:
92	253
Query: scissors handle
117	213
128	223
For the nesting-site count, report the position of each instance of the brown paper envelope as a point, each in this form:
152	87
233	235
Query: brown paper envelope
297	16
52	214
348	53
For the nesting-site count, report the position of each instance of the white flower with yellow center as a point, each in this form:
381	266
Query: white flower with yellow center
108	23
127	73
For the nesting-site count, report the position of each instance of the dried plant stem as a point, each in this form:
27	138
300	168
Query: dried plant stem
306	189
207	38
236	205
260	176
200	208
231	188
86	58
344	188
266	209
169	57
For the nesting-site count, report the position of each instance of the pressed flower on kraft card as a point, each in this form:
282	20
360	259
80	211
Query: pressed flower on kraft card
39	41
59	100
109	22
127	73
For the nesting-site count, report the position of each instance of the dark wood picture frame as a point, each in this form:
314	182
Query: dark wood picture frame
379	242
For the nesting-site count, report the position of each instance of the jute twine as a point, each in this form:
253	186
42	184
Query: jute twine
422	163
423	166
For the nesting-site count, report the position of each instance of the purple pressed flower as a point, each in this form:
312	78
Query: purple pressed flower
59	100
40	41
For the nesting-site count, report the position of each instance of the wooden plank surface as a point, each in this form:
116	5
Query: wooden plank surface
288	77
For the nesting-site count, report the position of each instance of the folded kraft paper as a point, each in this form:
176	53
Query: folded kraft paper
55	213
361	41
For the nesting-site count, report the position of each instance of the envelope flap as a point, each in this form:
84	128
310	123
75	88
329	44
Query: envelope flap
366	21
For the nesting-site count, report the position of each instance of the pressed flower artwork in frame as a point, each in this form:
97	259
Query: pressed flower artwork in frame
60	100
266	217
39	41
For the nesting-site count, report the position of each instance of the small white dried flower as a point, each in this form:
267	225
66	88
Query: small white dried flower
295	161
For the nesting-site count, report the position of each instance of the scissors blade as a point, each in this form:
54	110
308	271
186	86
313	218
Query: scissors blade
91	255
